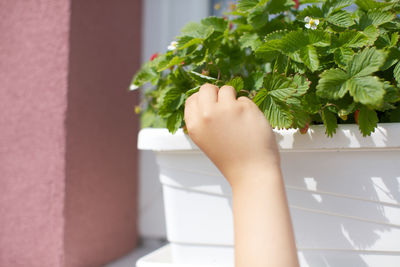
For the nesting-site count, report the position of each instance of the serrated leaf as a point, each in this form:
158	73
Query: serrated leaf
186	41
236	83
269	49
278	6
342	56
309	57
202	78
219	24
175	121
173	100
367	90
330	122
332	84
279	86
367	120
367	5
311	11
341	18
392	58
375	18
396	72
294	41
258	17
197	30
276	113
302	85
332	6
254	81
394	39
145	74
372	33
351	39
319	38
174	61
366	62
251	40
246	5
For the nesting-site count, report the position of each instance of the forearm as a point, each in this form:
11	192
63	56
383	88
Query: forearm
263	230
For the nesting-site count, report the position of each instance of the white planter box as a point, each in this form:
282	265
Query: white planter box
344	197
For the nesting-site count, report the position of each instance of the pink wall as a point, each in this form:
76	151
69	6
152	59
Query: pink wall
101	137
67	133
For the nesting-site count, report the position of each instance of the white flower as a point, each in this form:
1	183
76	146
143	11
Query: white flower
172	45
311	23
133	87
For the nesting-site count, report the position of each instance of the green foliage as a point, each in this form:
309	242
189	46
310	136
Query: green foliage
296	75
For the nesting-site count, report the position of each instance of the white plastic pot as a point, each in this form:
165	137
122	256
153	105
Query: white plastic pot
344	197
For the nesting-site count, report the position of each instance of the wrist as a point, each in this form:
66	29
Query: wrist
255	176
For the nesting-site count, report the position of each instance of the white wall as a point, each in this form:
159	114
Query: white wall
162	21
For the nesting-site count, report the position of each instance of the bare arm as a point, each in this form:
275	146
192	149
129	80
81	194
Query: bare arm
235	135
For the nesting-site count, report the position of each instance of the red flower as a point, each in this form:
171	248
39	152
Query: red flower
296	6
154	56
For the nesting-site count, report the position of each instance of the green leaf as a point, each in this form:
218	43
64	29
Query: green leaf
351	39
330	122
372	33
366	62
254	81
187	41
175	121
319	38
197	30
375	18
341	18
367	120
269	50
145	74
236	83
250	40
278	6
302	85
367	5
333	6
309	57
367	90
332	84
294	41
279	86
342	56
246	5
258	17
396	72
276	113
173	100
173	62
219	24
192	91
202	78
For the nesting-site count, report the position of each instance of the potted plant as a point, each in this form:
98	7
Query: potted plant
324	66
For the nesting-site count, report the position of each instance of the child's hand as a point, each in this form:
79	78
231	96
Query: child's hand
232	132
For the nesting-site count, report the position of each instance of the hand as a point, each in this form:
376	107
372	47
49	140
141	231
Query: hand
232	132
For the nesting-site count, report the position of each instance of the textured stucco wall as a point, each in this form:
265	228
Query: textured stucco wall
102	129
33	102
67	131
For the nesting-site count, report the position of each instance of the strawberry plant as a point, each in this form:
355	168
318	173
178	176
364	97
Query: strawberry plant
320	64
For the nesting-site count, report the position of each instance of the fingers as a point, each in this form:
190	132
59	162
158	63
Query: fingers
191	110
226	94
208	95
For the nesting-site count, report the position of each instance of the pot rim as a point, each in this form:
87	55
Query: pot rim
348	137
